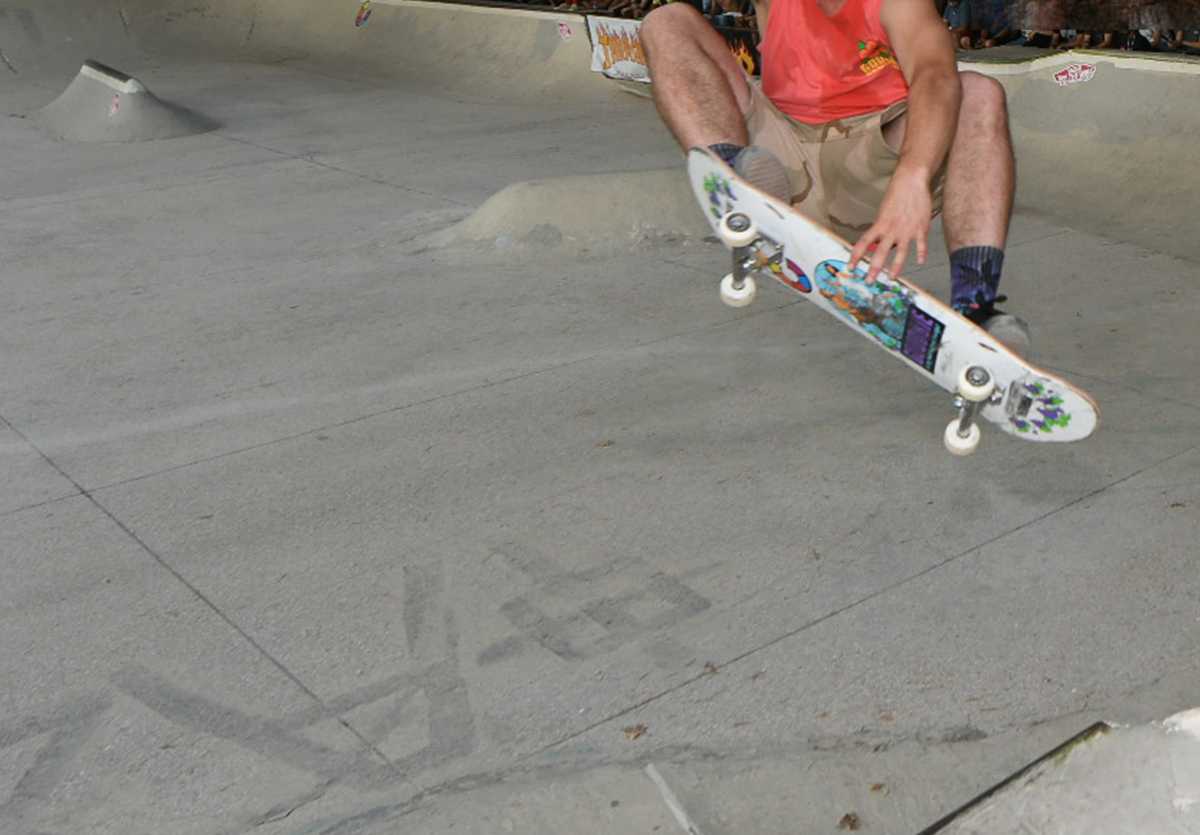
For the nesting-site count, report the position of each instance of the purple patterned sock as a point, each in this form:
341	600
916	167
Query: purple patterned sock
727	151
974	276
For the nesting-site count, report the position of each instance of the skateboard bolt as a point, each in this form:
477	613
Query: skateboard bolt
977	376
738	222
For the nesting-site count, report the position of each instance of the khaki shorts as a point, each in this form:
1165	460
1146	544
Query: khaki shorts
840	170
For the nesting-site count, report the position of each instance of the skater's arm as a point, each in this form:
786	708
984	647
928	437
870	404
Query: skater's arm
926	57
934	92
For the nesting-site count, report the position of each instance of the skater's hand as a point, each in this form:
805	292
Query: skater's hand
904	219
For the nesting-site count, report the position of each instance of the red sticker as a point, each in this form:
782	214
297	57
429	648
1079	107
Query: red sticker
800	282
364	14
1074	74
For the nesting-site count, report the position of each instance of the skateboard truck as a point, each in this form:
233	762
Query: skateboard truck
975	389
751	252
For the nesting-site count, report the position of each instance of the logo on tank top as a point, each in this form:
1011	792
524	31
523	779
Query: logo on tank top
874	56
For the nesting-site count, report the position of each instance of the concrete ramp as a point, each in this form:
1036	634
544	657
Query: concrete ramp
507	53
1105	143
591	212
1116	780
106	105
50	39
1100	148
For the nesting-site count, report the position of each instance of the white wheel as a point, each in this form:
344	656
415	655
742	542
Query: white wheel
957	444
737	229
975	384
735	297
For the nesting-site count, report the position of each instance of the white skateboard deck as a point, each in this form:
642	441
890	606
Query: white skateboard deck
900	317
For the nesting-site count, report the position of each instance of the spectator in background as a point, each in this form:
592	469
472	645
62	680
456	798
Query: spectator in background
730	13
989	24
1040	39
1041	22
616	8
957	16
1091	40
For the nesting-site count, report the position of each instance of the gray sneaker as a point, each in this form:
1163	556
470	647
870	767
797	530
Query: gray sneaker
763	170
1011	330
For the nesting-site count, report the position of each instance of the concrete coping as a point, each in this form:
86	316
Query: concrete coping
109	77
1125	60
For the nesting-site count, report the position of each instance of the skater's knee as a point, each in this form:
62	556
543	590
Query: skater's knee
669	27
982	93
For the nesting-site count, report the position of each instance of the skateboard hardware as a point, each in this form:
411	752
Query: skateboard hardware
751	253
975	390
1019	403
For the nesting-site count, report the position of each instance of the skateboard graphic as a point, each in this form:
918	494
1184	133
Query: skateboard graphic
769	238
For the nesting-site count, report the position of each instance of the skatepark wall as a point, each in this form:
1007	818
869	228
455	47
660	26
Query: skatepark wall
1105	142
48	41
511	53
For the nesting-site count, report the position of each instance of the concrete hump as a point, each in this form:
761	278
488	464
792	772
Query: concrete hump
593	211
105	105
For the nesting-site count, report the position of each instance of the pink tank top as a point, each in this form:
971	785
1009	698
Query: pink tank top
818	68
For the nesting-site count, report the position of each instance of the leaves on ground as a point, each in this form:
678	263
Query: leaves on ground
635	731
850	822
880	788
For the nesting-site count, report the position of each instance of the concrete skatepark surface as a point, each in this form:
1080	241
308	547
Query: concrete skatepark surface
350	489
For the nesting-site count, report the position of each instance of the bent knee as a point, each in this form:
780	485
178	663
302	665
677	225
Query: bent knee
674	20
982	92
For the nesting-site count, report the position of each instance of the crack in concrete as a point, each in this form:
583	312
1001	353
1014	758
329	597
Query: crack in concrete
406	406
285	810
193	590
865	599
308	158
683	754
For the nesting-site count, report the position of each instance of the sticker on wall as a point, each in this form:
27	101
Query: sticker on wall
797	278
617	49
565	31
364	14
743	57
1074	74
115	107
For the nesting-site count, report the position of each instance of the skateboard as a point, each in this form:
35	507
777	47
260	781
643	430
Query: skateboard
770	238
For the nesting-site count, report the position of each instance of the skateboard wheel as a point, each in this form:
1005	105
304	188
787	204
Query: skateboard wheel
975	384
737	229
958	444
735	297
